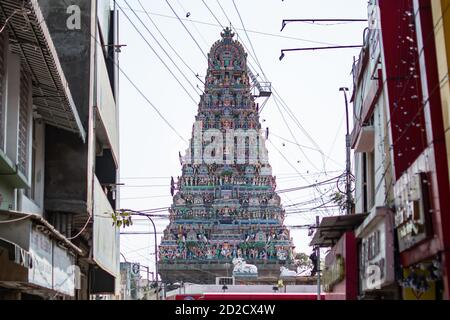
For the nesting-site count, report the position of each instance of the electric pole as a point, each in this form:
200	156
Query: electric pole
348	163
318	263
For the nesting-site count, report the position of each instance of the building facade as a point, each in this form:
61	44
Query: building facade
441	23
400	144
225	206
418	149
59	148
373	168
401	163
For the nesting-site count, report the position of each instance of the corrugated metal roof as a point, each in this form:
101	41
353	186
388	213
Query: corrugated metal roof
331	229
10	214
30	38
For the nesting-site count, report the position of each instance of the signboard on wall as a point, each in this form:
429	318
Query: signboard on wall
106	236
135	269
52	267
334	273
376	253
41	250
63	271
423	289
412	209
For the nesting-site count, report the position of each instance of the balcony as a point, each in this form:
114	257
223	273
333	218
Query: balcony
33	43
366	139
34	255
106	236
366	108
106	106
11	173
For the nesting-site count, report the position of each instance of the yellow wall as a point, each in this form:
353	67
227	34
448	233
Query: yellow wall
410	294
441	19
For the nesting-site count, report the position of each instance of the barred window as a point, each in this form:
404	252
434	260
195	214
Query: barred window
225	281
24	121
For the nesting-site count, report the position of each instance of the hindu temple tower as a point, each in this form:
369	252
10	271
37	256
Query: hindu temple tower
225	209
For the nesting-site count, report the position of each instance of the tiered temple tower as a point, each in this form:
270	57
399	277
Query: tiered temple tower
225	205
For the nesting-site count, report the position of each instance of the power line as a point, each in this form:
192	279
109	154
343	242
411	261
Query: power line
246	34
143	178
248	30
307	147
254	57
212	13
287	160
164	50
167	42
147	197
329	181
293	136
190	34
145	186
158	56
195	27
134	84
15	220
266	78
150	103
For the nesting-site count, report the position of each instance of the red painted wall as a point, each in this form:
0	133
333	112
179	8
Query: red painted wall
440	186
351	266
403	82
422	123
347	289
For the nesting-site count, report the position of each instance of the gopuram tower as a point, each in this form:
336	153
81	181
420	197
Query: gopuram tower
224	204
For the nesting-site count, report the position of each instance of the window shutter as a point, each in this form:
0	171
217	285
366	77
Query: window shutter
24	121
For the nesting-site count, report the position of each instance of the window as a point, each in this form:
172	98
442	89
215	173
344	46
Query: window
24	123
364	185
32	192
12	106
2	88
225	281
371	167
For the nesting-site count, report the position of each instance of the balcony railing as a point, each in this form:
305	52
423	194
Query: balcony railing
107	105
106	236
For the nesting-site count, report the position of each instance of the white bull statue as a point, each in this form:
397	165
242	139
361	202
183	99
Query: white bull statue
285	272
242	268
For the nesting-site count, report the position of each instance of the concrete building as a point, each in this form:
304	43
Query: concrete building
401	238
59	150
441	22
401	164
373	167
418	148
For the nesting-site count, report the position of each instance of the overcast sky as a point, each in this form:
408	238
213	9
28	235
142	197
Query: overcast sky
308	82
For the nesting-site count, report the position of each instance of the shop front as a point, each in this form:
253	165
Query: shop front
418	242
376	256
339	273
36	261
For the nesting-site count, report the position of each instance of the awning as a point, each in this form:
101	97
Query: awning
29	37
331	229
10	215
16	253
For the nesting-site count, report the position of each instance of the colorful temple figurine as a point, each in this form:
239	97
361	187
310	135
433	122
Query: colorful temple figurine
225	211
